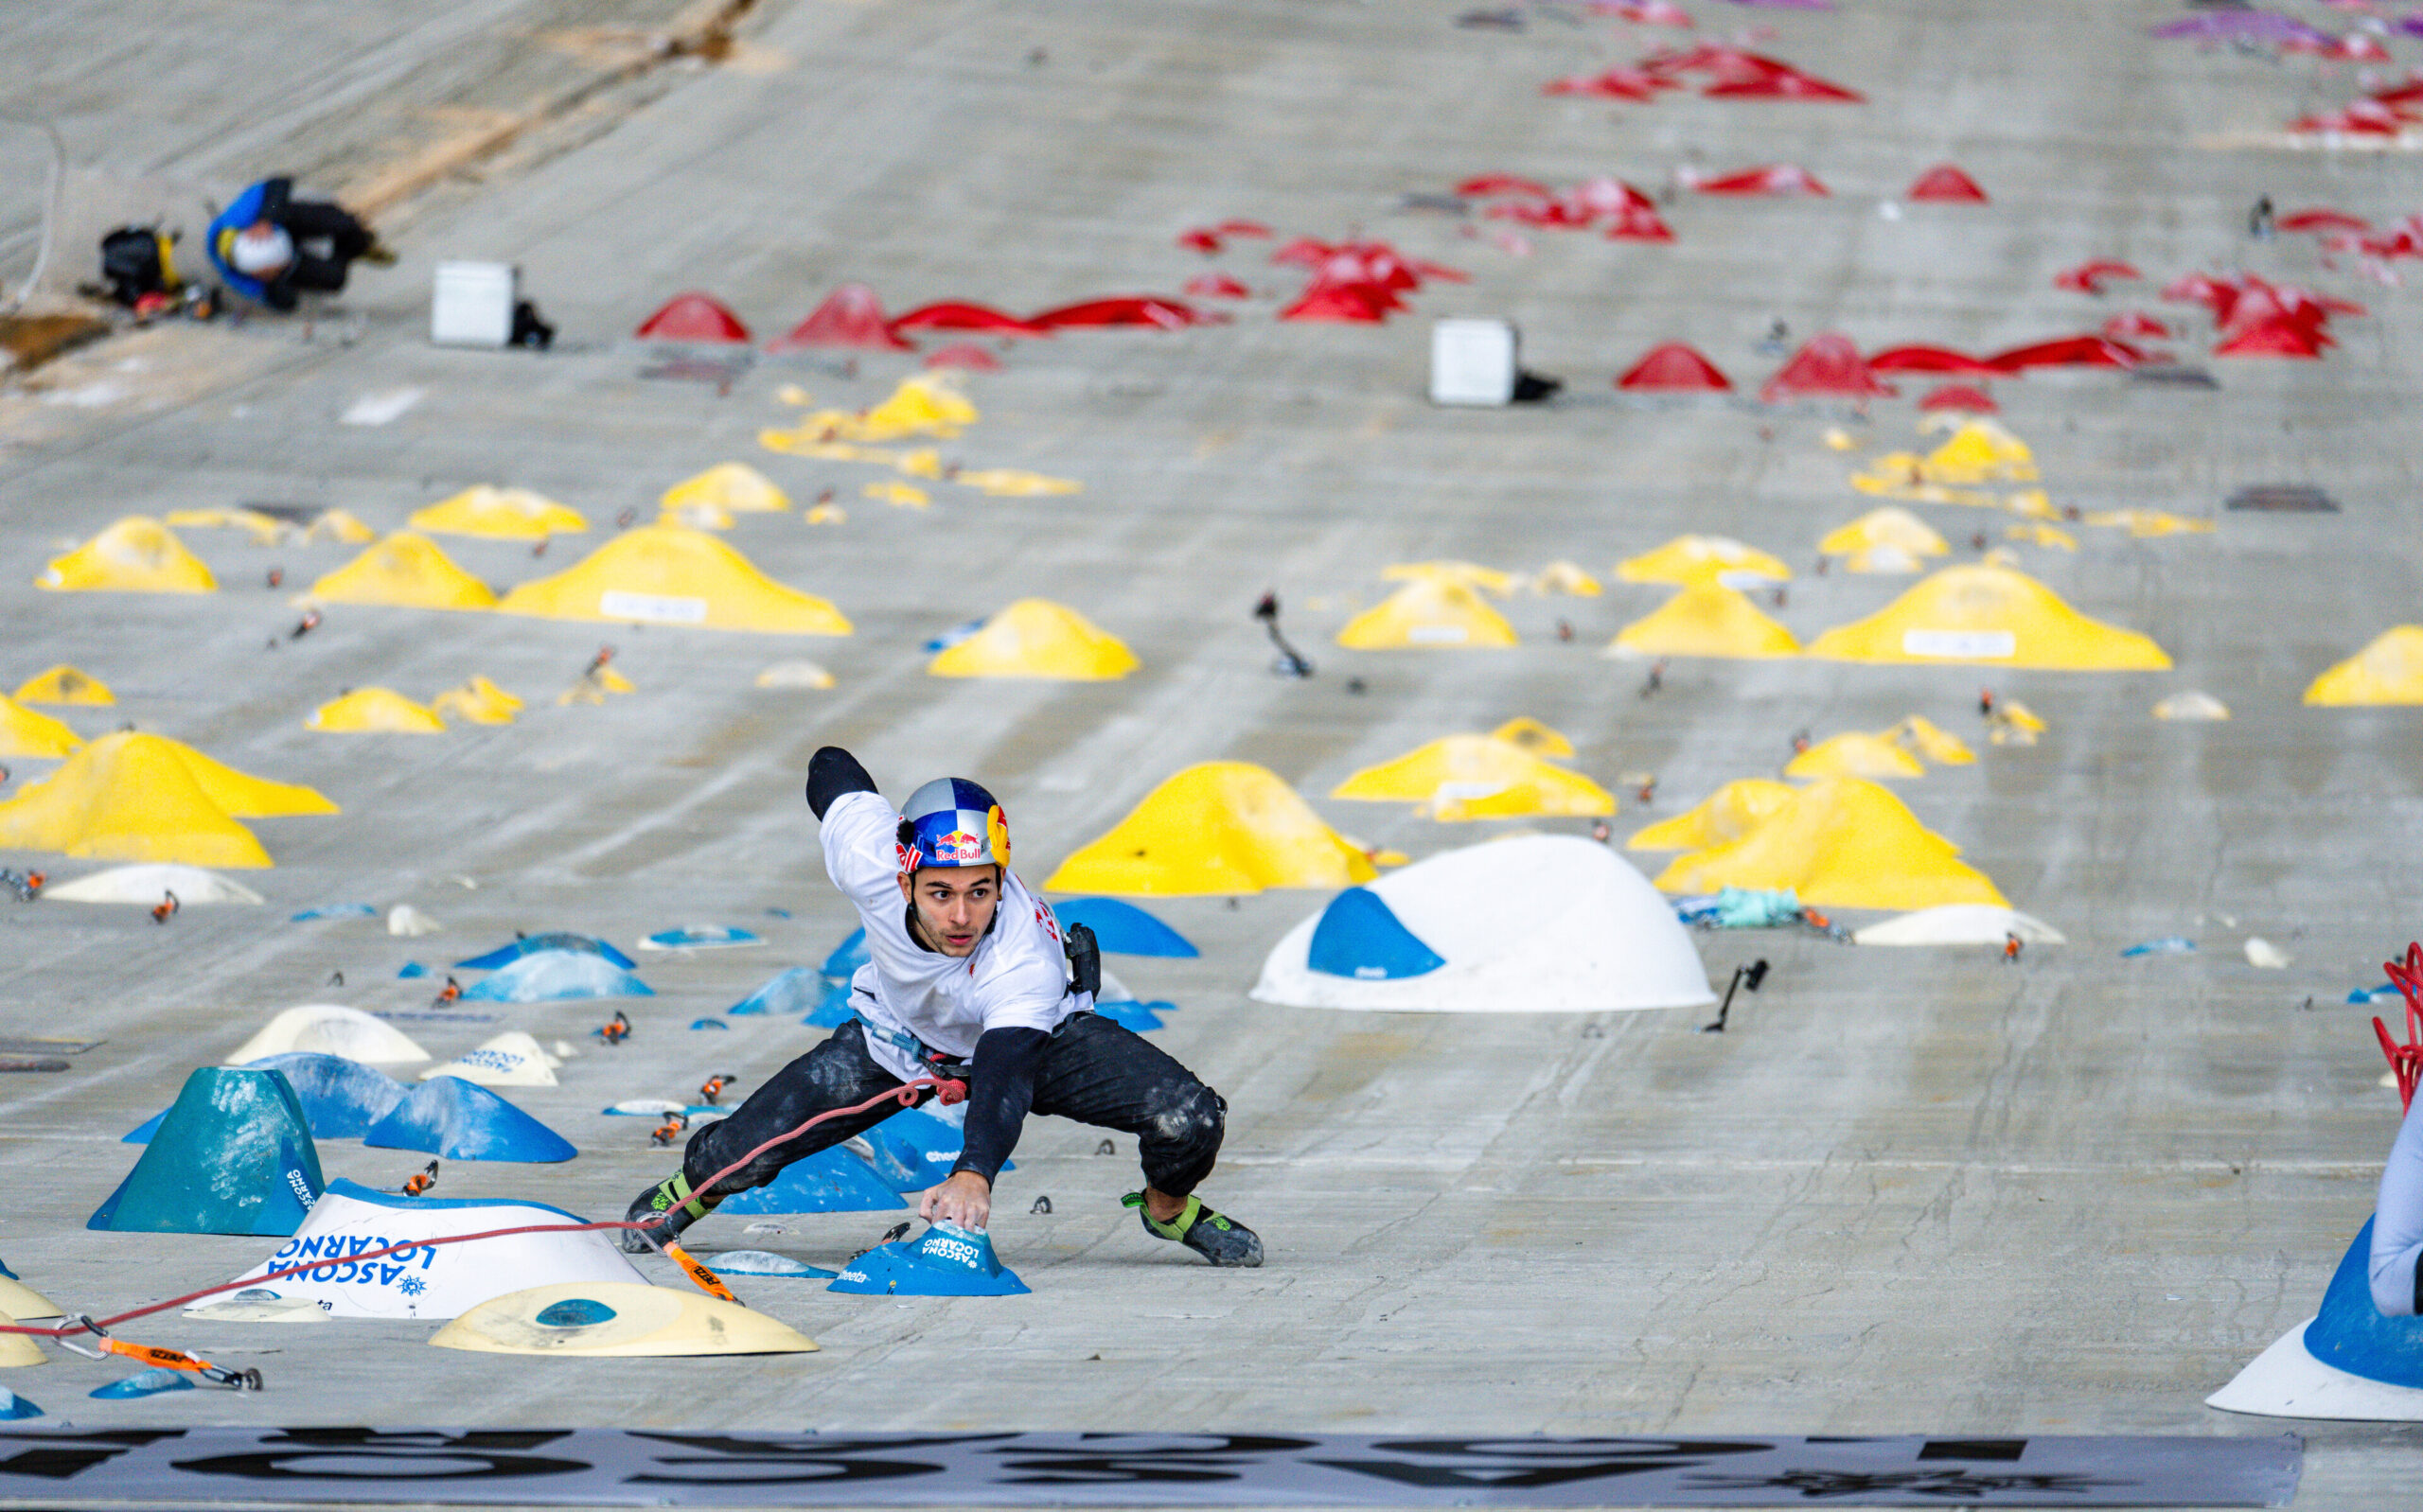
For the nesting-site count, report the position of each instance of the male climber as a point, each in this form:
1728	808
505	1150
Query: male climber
967	976
267	244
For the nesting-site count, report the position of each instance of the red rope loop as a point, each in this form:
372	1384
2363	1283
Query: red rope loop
2406	1061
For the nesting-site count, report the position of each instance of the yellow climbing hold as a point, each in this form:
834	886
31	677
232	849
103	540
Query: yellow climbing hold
65	685
1428	614
479	700
1471	574
266	530
1842	843
1010	483
827	515
660	575
2388	671
1219	826
2147	524
1889	525
375	712
1727	813
1928	739
2042	535
928	404
498	514
696	516
1036	638
137	554
1992	616
1855	753
899	495
26	733
1981	451
1469	777
922	462
408	570
1534	737
339	526
130	797
1705	620
1695	559
733	486
1565	577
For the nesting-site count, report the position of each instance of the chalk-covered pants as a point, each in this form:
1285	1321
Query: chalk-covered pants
1092	1071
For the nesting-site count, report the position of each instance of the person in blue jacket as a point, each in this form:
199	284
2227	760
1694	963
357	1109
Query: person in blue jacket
267	244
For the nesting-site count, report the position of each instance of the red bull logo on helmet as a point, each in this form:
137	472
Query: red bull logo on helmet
958	848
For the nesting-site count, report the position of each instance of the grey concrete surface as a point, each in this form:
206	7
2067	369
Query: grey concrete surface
1911	1190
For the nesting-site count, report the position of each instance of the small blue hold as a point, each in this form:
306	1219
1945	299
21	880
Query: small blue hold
954	636
2167	945
709	1024
948	1262
765	1262
412	968
1359	936
13	1406
2365	996
336	910
1131	1015
150	1383
778	913
573	1312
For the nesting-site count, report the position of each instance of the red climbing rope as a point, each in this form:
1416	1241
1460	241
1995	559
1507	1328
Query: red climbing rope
2406	1061
946	1091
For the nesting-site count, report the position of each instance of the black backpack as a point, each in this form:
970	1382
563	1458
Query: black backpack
135	262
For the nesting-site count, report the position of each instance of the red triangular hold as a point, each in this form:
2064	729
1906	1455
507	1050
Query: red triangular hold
956	315
964	354
1126	310
1945	183
2274	338
1676	366
2071	351
1202	238
2090	277
1930	359
850	316
1830	366
1350	304
1218	285
1775	178
1615	83
2322	220
1640	223
1789	83
2135	325
1960	396
1490	186
694	318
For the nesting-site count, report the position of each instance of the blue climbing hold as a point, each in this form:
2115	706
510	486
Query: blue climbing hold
231	1155
341	1098
764	1262
452	1118
834	1008
709	1024
1123	929
829	1181
954	636
150	1383
573	1312
13	1406
557	975
700	937
335	910
1131	1015
914	1149
847	956
791	991
2365	996
1359	936
412	969
948	1262
2351	1334
554	939
2167	945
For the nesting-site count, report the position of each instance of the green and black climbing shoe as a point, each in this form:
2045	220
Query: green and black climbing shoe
1221	1239
671	1206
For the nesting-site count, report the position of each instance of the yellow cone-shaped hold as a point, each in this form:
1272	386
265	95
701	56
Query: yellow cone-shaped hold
1842	843
17	1350
1690	559
1012	483
498	514
1534	737
139	554
1705	620
1990	616
266	530
1926	738
928	404
733	486
619	1318
1727	813
240	794
1036	638
341	526
1465	777
128	798
375	712
2388	671
1855	753
662	574
406	569
1428	614
1981	451
479	700
899	495
1471	574
1890	525
24	733
2042	535
1219	826
65	685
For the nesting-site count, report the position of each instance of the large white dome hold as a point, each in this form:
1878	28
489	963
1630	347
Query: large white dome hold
1529	924
330	1029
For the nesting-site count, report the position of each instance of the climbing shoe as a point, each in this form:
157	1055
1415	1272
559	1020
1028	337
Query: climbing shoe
670	1206
1219	1239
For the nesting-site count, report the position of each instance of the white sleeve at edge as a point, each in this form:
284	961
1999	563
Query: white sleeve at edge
2398	1221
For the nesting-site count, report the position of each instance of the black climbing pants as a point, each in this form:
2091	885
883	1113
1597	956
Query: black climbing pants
312	222
1091	1071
